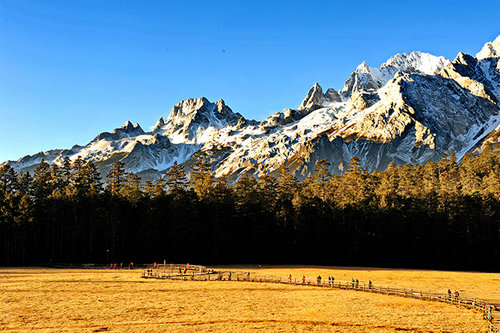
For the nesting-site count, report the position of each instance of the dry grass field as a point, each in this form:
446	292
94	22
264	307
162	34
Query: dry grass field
50	300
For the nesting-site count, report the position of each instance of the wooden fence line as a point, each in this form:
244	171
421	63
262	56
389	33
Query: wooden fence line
202	274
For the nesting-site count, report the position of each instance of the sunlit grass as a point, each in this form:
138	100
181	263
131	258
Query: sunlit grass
106	300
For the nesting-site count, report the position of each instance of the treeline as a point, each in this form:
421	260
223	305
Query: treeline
438	215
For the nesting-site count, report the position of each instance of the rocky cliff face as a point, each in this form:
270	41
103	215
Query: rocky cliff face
411	109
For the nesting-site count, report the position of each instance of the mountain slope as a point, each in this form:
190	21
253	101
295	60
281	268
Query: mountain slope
411	109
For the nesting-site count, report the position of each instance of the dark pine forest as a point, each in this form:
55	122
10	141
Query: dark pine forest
441	215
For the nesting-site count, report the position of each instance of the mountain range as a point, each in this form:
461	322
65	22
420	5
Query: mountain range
413	108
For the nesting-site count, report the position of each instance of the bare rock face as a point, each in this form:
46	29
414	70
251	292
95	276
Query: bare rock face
314	98
159	124
361	79
332	96
411	109
361	100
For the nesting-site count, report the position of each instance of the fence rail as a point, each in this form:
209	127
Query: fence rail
201	273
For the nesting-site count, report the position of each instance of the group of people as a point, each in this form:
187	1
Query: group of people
331	281
456	295
116	266
318	279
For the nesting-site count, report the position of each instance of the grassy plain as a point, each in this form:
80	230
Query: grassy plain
51	300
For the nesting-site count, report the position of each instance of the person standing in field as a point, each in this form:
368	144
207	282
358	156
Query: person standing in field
290	278
318	280
449	295
370	284
303	279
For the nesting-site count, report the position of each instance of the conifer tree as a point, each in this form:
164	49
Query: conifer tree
202	180
42	181
132	188
116	178
176	179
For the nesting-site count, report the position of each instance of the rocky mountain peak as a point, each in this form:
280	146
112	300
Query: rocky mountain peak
128	127
371	78
189	119
127	130
159	124
416	63
411	109
490	50
463	59
315	98
363	68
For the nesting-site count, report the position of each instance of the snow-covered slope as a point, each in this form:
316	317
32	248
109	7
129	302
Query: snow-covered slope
413	108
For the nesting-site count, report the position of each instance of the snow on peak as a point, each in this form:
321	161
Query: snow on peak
372	78
363	68
416	62
191	120
490	50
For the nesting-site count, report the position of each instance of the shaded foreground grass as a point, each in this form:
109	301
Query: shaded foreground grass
104	300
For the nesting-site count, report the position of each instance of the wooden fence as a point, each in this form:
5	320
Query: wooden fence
201	273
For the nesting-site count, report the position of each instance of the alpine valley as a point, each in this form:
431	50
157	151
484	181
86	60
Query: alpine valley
413	108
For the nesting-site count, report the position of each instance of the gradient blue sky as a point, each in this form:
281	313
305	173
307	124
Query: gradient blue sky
72	69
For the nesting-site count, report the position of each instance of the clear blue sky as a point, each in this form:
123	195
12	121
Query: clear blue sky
71	69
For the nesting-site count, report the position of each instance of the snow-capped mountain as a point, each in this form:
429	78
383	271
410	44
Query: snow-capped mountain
411	109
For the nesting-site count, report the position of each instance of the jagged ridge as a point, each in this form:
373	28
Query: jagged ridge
413	108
